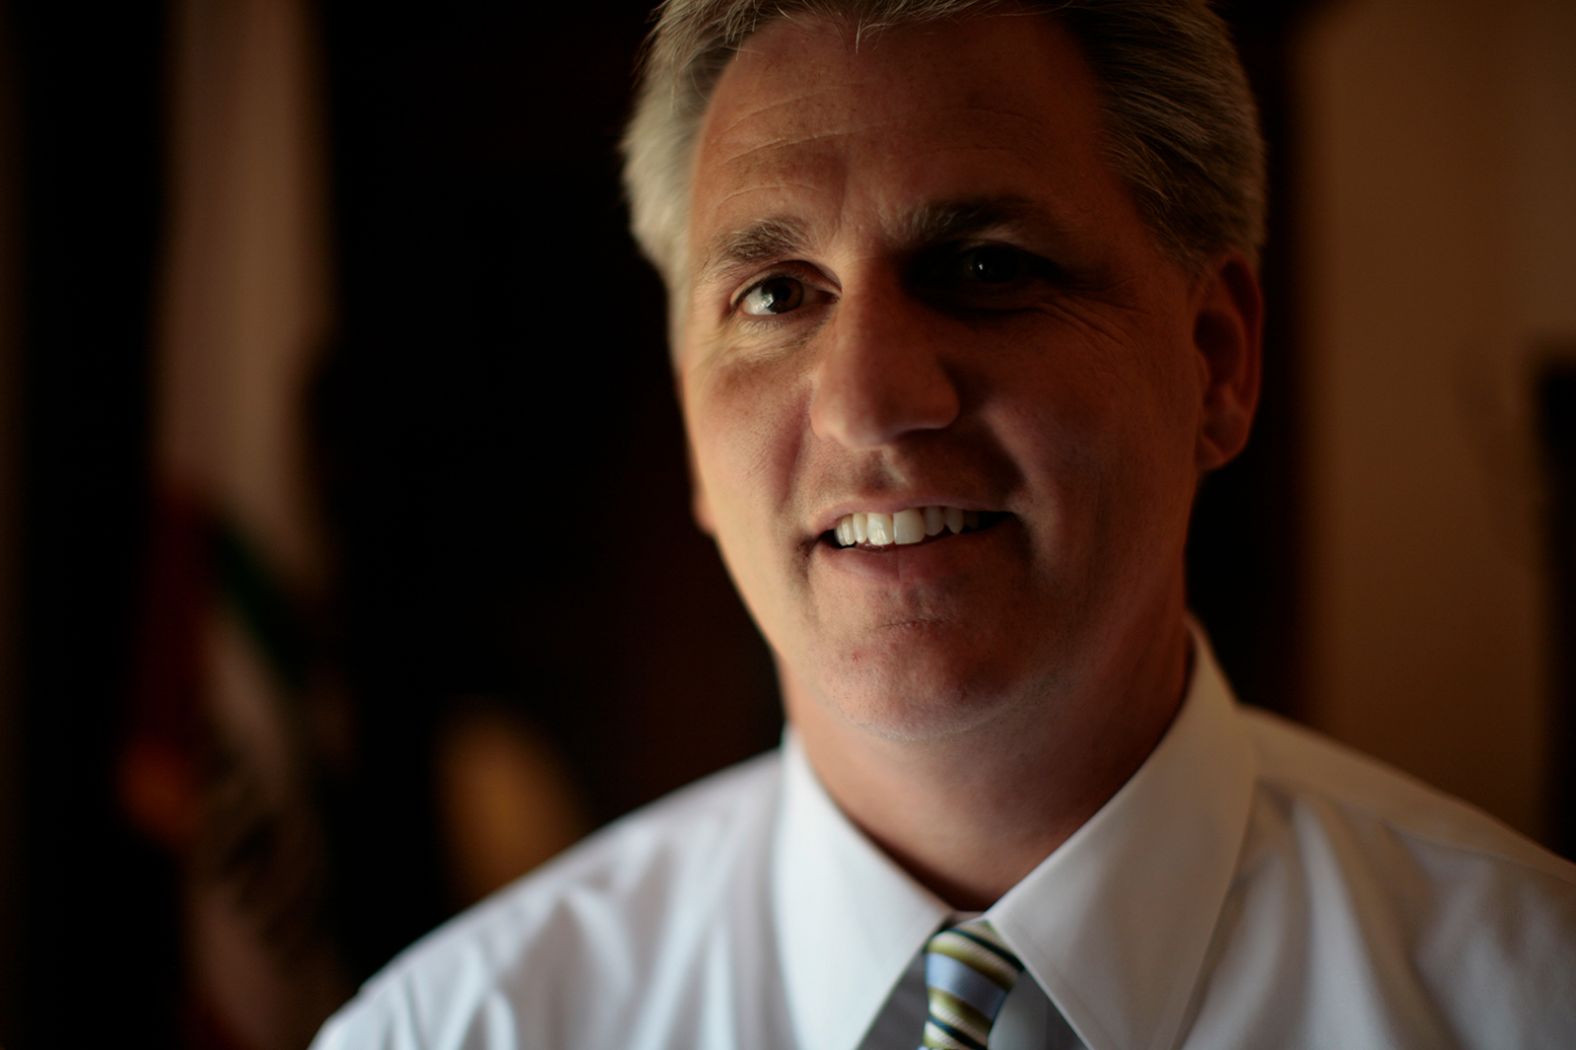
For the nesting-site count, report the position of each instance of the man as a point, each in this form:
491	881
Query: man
964	305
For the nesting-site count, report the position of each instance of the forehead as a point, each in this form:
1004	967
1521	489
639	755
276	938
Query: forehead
818	124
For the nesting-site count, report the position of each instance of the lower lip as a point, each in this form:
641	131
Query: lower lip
919	562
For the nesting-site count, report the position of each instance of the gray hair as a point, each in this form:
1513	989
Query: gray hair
1182	129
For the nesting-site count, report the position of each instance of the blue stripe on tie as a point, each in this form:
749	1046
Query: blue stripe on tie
965	982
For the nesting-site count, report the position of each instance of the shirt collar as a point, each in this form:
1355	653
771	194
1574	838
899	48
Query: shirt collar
848	919
1113	925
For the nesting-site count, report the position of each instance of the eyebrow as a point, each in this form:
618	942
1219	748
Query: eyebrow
970	216
777	237
759	242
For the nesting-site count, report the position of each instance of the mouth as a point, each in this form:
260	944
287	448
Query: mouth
875	531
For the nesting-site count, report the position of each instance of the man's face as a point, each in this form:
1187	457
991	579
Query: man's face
916	283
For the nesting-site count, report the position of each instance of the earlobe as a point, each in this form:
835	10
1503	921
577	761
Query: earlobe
1227	333
700	507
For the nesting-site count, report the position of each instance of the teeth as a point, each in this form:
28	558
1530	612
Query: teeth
902	528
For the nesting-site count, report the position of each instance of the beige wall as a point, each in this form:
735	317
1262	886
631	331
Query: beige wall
1439	229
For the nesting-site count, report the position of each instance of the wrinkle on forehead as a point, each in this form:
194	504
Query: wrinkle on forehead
796	102
786	143
765	113
983	121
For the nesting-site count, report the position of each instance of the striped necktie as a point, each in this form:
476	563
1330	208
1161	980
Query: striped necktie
969	972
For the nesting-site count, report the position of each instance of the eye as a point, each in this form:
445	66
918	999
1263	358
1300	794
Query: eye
985	277
991	264
774	295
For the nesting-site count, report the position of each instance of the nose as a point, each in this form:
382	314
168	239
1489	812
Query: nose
880	374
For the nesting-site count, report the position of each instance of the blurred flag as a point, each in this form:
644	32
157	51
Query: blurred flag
220	760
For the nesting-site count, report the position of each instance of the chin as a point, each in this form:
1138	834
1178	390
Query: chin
914	696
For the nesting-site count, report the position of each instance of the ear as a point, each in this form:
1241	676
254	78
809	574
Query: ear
700	507
1228	335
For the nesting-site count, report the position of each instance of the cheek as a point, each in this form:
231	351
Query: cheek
741	431
1070	419
1145	396
1107	438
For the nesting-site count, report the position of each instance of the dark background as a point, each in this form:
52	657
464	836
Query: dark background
482	275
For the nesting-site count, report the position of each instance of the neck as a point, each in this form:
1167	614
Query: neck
970	814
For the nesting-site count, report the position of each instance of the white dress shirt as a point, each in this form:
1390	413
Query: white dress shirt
1252	885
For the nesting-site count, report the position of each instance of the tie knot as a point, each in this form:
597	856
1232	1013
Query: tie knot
969	972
